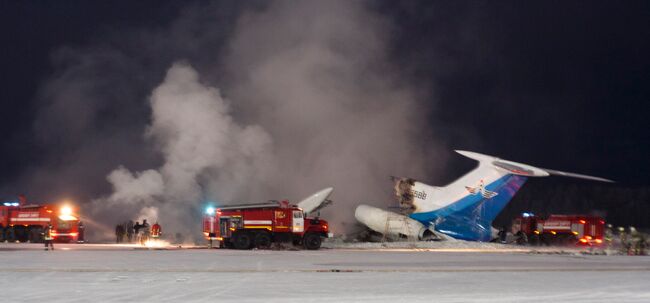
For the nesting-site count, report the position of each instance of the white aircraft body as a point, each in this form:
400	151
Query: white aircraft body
463	209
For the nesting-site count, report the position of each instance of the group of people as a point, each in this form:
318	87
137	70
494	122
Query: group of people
632	241
136	232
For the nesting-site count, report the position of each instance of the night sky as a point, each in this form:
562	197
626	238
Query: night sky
555	84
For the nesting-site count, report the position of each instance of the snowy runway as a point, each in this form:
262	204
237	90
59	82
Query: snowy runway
124	274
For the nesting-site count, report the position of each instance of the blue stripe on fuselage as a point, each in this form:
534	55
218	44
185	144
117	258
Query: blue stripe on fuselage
470	218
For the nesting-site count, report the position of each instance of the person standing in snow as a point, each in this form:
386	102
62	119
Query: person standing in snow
156	231
119	233
129	231
625	246
609	236
136	230
144	231
48	237
82	230
636	241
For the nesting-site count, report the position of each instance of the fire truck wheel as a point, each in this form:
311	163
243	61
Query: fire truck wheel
242	240
312	241
263	240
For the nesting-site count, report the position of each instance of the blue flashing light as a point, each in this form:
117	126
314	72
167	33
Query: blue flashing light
11	203
526	215
209	210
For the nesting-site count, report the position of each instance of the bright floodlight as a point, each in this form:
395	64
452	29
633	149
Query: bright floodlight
209	210
66	210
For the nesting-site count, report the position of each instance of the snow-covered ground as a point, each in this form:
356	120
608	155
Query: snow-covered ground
449	245
103	273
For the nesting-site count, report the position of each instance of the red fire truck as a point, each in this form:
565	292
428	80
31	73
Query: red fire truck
559	229
25	223
259	225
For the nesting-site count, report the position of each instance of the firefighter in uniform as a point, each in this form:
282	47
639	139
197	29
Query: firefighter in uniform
609	237
82	230
129	231
136	230
622	237
144	232
638	242
156	231
119	233
643	244
47	237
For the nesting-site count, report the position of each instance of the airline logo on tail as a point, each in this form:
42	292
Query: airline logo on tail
487	194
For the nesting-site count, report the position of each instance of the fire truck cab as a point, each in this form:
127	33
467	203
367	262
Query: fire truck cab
559	229
26	223
247	226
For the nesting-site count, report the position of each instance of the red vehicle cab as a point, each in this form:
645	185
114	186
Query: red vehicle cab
26	223
259	225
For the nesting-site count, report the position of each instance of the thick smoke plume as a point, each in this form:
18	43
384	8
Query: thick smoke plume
311	101
192	128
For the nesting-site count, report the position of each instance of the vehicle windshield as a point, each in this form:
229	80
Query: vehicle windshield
65	223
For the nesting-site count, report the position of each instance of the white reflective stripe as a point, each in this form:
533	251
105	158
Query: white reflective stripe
59	234
557	227
30	219
257	222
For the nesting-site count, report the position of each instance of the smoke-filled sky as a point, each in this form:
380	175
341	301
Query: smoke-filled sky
151	109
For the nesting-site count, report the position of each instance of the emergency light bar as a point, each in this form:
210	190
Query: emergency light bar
11	204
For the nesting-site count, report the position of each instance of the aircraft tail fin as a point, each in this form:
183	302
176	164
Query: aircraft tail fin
525	169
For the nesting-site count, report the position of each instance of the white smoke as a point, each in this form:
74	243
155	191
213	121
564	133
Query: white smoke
192	127
194	130
143	186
